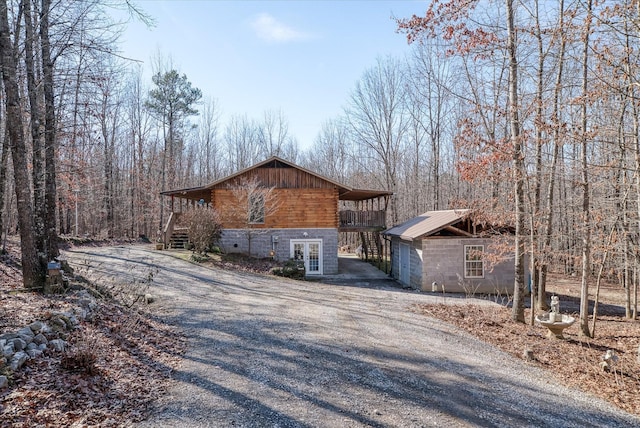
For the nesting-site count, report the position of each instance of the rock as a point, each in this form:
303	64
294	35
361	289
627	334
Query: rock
36	327
87	302
26	339
32	345
45	328
57	323
4	382
25	332
57	345
19	344
609	360
42	347
18	360
34	353
73	319
8	350
527	354
2	343
39	339
149	298
83	294
8	336
69	319
81	313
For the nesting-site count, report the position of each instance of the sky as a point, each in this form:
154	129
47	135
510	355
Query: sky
302	58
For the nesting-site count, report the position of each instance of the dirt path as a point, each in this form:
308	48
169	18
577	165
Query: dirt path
266	352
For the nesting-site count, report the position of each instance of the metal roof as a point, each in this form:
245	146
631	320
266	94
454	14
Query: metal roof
427	224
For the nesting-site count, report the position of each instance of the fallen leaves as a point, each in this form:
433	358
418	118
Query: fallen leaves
574	361
113	370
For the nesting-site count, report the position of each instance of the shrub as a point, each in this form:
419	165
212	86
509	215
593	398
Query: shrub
81	357
291	269
204	228
199	258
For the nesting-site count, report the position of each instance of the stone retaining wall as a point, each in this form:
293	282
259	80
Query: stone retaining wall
48	335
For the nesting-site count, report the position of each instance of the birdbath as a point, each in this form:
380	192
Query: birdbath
554	321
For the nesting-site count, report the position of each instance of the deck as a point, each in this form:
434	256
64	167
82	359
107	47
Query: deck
362	221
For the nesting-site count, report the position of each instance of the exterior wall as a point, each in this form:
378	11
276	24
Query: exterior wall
298	208
443	262
235	241
415	262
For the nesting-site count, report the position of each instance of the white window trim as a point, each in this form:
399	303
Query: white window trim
466	261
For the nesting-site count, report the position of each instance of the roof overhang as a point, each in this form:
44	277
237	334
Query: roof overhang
346	193
363	195
191	193
429	223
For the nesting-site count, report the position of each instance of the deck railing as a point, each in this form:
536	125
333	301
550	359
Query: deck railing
362	219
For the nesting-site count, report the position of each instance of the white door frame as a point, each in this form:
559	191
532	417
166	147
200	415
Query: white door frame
306	243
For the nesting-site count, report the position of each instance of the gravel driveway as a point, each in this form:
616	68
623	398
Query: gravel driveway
267	352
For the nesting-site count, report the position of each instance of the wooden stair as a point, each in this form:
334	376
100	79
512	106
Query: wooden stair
371	245
179	238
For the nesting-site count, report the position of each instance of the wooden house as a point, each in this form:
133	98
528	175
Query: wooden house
300	219
447	251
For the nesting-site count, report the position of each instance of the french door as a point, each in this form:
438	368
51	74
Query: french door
310	251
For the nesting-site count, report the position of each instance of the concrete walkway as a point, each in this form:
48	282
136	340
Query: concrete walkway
354	271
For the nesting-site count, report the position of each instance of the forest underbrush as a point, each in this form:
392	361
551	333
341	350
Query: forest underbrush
575	361
114	367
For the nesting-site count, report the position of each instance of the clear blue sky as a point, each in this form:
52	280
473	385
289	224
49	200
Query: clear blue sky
301	57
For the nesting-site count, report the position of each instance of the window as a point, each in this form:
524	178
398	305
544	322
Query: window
473	264
256	208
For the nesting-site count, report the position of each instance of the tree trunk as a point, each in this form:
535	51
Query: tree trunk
516	143
38	171
557	144
4	162
586	214
49	135
32	268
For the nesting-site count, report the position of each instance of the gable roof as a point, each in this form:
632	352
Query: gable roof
427	224
346	193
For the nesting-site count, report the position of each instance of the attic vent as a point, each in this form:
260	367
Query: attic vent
275	164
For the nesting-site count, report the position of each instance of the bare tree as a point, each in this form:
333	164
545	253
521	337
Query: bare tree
210	156
377	118
584	138
334	147
273	135
558	136
32	266
251	207
204	228
241	138
519	169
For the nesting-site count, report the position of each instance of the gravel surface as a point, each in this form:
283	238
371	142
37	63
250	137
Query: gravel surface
279	353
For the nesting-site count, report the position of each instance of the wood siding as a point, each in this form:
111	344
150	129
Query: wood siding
298	209
281	178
